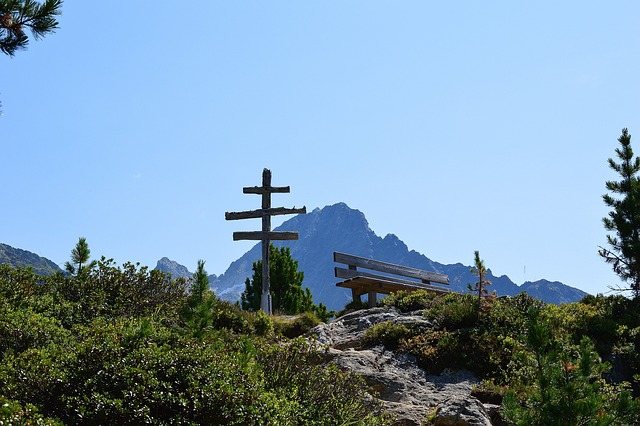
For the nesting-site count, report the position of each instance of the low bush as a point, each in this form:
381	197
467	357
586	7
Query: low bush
21	329
296	325
408	301
230	316
142	372
12	413
387	333
454	311
323	395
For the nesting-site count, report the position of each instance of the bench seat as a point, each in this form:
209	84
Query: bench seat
396	277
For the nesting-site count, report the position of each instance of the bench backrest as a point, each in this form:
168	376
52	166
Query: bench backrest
375	265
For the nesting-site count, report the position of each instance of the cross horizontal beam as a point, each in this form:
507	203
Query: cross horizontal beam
253	214
265	235
265	189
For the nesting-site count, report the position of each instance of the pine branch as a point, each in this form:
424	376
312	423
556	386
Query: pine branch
16	16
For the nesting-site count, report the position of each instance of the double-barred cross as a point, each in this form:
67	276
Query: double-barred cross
266	235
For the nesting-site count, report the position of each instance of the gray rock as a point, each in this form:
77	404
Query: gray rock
404	388
460	410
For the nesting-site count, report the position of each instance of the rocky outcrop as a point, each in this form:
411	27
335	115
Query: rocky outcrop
405	389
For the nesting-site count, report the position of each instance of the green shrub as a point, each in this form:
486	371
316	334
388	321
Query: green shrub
230	316
18	285
322	313
387	333
438	350
295	326
567	386
454	311
263	324
142	372
408	301
21	329
324	394
12	413
354	305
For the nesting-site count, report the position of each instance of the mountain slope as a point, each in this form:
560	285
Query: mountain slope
340	228
19	258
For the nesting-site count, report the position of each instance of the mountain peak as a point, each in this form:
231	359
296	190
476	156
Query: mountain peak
340	228
172	267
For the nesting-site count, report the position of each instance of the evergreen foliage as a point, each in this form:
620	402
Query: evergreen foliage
480	270
199	306
16	16
287	294
624	218
568	389
79	256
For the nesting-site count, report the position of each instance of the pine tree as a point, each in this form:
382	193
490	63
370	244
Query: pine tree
624	218
569	388
199	285
480	270
16	16
287	294
198	309
79	256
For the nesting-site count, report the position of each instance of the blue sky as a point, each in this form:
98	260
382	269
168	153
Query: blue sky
456	126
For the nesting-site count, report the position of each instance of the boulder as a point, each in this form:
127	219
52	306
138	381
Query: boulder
461	410
404	388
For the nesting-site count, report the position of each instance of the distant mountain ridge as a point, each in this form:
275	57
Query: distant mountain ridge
340	228
321	232
177	270
19	258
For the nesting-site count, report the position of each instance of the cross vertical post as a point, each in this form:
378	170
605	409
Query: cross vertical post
266	235
265	299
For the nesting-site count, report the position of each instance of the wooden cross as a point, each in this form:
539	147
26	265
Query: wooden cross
266	235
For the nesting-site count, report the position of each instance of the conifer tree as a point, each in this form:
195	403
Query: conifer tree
568	388
287	295
79	256
16	16
624	218
480	270
200	284
198	309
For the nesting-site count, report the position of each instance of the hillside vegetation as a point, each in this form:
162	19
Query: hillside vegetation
122	344
573	364
125	345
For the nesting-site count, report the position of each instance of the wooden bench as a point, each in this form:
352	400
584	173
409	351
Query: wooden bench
399	277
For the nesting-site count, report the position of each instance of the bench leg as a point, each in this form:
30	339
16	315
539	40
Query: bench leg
372	299
355	296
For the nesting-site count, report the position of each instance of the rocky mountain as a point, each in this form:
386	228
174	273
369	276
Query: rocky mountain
19	258
173	268
340	228
176	270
